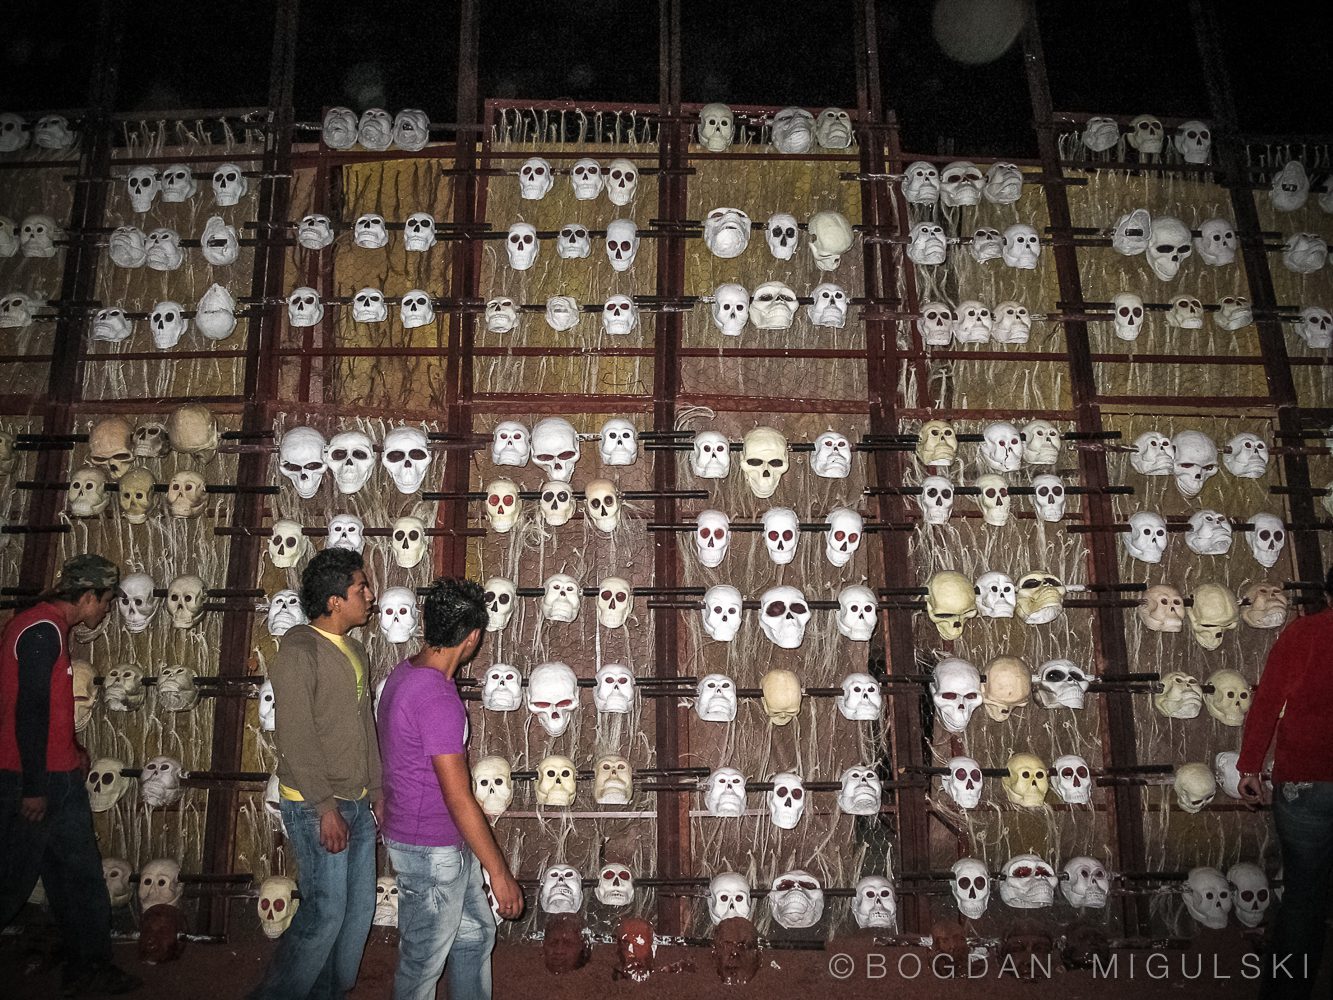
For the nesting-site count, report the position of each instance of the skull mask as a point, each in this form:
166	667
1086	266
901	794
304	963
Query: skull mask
136	602
622	244
1230	698
229	185
1007	687
858	613
123	689
928	245
1212	614
731	309
1022	247
109	446
950	601
1041	443
1303	253
1315	327
785	614
955	690
1029	883
1087	884
845	531
586	178
557	781
160	782
112	325
1233	313
1100	134
936	443
622	181
615	601
416	308
419	232
1246	456
861	700
1195	461
1181	696
1208	897
160	884
796	899
556	503
185	601
781	234
368	306
411	129
535	179
618	442
500	598
1216	243
722	612
267	713
1062	684
553	696
861	791
1264	605
781	700
1013	323
1048	498
1194	786
1027	782
128	247
620	316
921	183
717	129
215	313
793	130
1168	246
994	499
1004	184
1040	598
615	885
284	611
613	784
105	783
375	129
87	493
573	242
601	504
301	460
350	456
406	456
715	698
167	321
765	460
973	323
175	689
727	232
503	505
782	533
936	499
1001	448
1154	454
219	241
522	246
828	306
1162	609
555	448
613	692
963	782
1127	315
1250	892
287	543
773	306
53	132
386	902
1193	140
1186	313
724	794
1145	134
710	455
833	129
398	614
144	186
1072	779
986	244
304	307
995	595
38	233
1146	538
492	785
729	895
960	184
1130	236
971	887
830	238
510	444
346	531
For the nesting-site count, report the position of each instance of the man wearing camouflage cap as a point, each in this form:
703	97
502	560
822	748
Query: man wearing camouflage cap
46	824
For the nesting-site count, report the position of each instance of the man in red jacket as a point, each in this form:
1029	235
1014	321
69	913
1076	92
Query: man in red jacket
1294	698
46	824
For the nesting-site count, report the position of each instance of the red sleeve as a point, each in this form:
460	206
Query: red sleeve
1282	670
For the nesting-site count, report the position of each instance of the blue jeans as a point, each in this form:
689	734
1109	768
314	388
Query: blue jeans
62	851
318	956
443	913
1305	831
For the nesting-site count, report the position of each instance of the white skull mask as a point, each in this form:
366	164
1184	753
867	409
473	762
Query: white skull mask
175	689
112	325
1169	246
375	129
1181	696
419	232
314	232
1195	461
556	503
1130	236
284	611
1186	313
1100	134
955	689
724	793
1062	684
1072	779
160	884
268	716
411	129
38	233
219	242
936	443
586	178
167	321
727	232
731	309
973	323
1145	134
1154	454
16	311
502	688
137	602
301	460
229	184
160	782
843	538
346	531
1315	327
503	505
1029	883
561	598
144	186
522	246
1267	539
1146	538
618	442
971	887
1208	897
622	181
1216	242
53	132
1087	884
830	238
996	507
861	699
406	457
782	533
123	688
1246	456
1250	892
128	247
773	306
105	783
1127	315
786	800
1041	443
500	597
717	129
950	601
553	696
995	595
1013	323
828	306
1195	787
535	179
783	617
185	601
928	245
1304	253
510	444
350	457
615	884
921	183
833	129
215	313
861	792
832	457
398	614
287	544
781	233
796	899
1001	447
304	307
986	244
116	874
386	902
615	601
555	448
1213	613
1004	184
573	242
368	306
613	691
1193	140
793	130
622	244
764	460
960	184
416	308
1049	498
722	612
9	237
1022	246
710	455
561	890
1226	773
729	895
963	782
602	504
715	698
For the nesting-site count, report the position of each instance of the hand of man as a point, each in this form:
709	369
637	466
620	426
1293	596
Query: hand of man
333	832
1253	791
508	896
33	808
377	811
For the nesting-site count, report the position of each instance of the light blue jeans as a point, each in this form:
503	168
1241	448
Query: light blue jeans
443	913
319	954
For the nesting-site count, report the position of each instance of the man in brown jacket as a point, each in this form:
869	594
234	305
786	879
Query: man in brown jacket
329	782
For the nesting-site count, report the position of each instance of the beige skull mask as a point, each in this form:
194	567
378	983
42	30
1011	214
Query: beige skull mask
764	460
192	430
138	493
85	693
1229	700
110	446
186	494
1264	605
612	781
1181	696
936	443
781	696
1162	609
493	785
556	778
950	601
1041	597
1028	780
1195	786
1212	615
1008	686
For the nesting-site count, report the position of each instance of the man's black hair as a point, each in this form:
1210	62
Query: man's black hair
452	610
327	575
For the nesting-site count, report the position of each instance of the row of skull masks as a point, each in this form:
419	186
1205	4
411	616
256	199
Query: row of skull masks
159	783
1167	243
176	183
123	690
114	444
1019	245
214	317
48	132
1209	533
161	249
1193	139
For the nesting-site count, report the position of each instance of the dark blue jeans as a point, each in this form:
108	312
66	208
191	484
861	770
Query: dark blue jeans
1305	830
62	851
319	954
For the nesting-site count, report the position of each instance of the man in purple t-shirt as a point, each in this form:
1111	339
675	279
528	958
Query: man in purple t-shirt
438	838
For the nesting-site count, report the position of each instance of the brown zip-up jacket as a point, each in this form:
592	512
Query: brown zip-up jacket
325	734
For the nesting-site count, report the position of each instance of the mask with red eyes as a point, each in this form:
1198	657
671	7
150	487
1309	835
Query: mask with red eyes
503	505
712	537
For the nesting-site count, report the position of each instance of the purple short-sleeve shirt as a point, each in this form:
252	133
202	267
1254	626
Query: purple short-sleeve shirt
420	715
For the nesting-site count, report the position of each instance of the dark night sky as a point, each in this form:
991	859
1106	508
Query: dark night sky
1118	56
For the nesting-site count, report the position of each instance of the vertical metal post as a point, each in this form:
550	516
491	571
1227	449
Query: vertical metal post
1108	632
